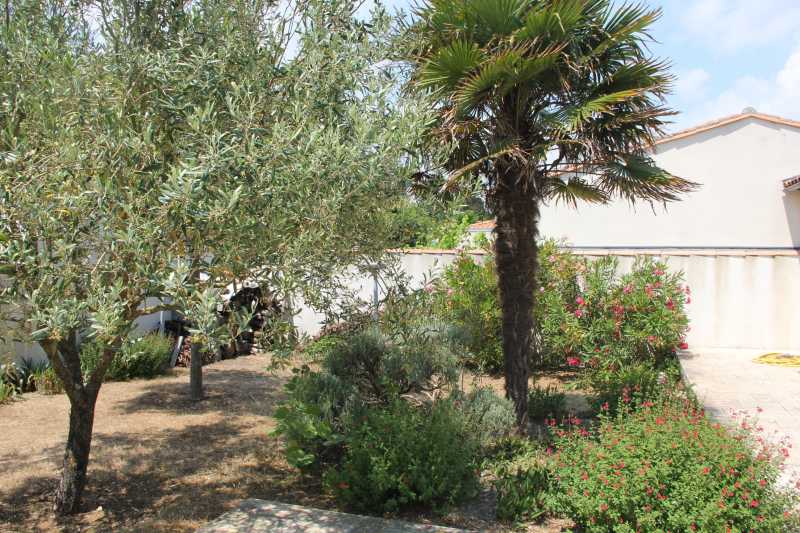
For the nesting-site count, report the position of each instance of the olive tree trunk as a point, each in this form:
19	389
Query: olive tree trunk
196	373
517	212
76	455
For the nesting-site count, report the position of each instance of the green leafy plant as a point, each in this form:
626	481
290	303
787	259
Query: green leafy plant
488	416
19	374
47	381
522	481
467	297
586	315
449	233
663	465
144	357
7	392
363	368
404	455
544	402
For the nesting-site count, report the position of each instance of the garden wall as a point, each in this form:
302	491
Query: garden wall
740	298
144	324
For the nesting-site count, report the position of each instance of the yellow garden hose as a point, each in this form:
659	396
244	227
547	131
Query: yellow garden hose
779	359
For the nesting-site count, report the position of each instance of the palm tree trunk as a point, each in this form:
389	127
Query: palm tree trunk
515	255
76	454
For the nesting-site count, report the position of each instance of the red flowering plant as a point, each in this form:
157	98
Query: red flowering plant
663	465
638	317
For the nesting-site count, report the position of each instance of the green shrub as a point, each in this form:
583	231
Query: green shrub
449	233
546	402
664	466
469	300
7	392
19	374
586	314
143	357
364	368
489	417
637	381
381	417
47	381
404	455
522	482
409	224
147	356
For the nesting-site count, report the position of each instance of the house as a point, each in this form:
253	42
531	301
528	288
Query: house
737	238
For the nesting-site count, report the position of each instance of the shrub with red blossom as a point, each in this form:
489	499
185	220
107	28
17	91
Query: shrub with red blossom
585	311
663	465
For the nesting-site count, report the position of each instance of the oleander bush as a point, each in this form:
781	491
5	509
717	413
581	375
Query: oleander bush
467	298
656	465
587	314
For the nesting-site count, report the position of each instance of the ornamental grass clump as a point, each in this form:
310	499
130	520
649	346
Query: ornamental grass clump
663	465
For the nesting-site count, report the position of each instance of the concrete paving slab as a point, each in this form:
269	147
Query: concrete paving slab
728	380
257	516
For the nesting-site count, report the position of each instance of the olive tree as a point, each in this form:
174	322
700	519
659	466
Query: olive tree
153	152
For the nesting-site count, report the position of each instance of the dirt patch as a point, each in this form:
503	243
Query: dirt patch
161	462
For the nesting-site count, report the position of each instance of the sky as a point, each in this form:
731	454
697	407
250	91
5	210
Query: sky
727	55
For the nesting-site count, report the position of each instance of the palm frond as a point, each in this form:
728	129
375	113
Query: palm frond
573	189
572	116
497	17
637	177
551	22
626	22
500	151
450	65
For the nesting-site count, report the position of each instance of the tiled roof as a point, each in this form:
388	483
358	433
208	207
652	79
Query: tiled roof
792	184
481	226
724	122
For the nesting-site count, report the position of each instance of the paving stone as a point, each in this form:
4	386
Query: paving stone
726	380
256	516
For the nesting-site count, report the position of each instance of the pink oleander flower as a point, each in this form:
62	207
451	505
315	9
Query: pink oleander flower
683	345
627	289
580	301
449	292
573	361
578	313
658	272
670	304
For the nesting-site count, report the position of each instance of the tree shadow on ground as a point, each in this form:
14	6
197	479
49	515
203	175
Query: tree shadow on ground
237	392
167	481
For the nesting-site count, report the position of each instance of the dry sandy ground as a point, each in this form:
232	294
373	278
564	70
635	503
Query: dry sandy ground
160	462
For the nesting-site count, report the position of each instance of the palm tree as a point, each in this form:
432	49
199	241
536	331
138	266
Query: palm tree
542	100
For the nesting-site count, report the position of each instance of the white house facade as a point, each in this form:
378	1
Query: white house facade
736	238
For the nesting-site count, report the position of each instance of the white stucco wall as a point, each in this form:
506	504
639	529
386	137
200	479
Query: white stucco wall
746	299
145	324
741	202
